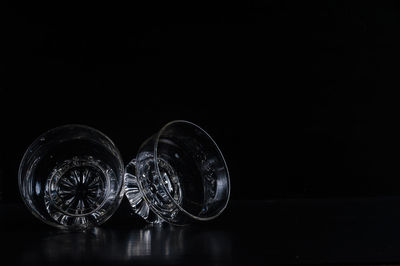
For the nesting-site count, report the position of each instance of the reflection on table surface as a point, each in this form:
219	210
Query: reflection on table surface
157	244
293	231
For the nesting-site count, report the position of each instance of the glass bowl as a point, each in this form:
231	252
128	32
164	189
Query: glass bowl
179	176
71	177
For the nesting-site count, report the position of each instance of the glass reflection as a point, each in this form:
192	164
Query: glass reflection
153	243
166	241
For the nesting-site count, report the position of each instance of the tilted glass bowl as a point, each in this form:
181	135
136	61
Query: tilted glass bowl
179	175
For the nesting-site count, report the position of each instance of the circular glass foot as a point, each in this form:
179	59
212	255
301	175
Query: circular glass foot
76	189
158	194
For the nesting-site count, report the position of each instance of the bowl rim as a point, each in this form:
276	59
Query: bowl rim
220	153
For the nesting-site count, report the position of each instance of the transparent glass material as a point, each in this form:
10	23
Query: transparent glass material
72	177
179	176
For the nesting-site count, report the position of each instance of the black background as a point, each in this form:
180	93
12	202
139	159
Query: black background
301	97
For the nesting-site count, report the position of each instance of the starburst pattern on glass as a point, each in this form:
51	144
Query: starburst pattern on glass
77	186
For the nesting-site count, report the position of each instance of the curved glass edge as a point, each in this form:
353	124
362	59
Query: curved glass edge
169	195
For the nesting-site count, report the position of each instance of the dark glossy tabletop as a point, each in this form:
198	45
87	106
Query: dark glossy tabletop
291	231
